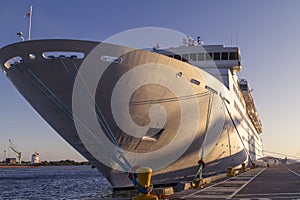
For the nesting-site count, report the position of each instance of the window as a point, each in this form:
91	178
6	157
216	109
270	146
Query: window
185	57
67	54
196	82
244	87
233	56
193	57
208	56
178	57
224	55
200	56
216	56
12	61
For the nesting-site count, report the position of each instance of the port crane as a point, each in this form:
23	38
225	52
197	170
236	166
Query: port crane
14	148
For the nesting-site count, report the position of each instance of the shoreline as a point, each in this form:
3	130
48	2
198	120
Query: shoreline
45	163
19	166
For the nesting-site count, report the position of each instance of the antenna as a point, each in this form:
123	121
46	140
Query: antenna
157	46
200	41
237	39
191	42
20	35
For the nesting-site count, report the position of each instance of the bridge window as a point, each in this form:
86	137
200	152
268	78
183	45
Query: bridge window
233	56
193	57
208	56
185	56
217	56
224	55
178	57
200	56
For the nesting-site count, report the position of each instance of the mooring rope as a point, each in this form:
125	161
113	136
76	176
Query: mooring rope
201	162
44	89
125	165
230	116
100	118
209	108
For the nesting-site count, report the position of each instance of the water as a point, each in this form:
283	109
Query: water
67	182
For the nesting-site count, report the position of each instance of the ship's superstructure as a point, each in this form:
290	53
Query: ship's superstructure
224	63
35	158
163	109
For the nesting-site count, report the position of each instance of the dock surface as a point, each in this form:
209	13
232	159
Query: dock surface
280	182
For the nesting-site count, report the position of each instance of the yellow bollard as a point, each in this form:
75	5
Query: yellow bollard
144	176
197	183
244	167
230	172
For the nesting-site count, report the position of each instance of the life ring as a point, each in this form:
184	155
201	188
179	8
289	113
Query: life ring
201	162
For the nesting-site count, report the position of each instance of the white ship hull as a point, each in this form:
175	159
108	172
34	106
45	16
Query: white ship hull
148	102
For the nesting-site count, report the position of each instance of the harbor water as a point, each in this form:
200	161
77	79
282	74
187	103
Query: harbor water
63	182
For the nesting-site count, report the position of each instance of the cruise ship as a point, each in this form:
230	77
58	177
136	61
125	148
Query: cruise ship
121	108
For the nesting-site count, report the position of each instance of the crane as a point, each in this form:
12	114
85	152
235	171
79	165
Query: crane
14	148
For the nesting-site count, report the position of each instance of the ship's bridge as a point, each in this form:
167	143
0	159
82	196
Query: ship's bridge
214	59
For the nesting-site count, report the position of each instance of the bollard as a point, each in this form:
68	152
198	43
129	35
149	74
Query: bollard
144	177
230	172
197	183
244	167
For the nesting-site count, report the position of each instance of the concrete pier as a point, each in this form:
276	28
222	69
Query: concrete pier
277	182
280	182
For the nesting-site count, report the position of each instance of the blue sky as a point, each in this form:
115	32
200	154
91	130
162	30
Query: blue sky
266	31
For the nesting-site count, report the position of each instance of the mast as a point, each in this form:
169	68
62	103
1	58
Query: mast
30	19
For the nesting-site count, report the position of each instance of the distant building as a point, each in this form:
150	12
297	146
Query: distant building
11	161
272	161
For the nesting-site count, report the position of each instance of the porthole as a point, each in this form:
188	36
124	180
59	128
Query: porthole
179	75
